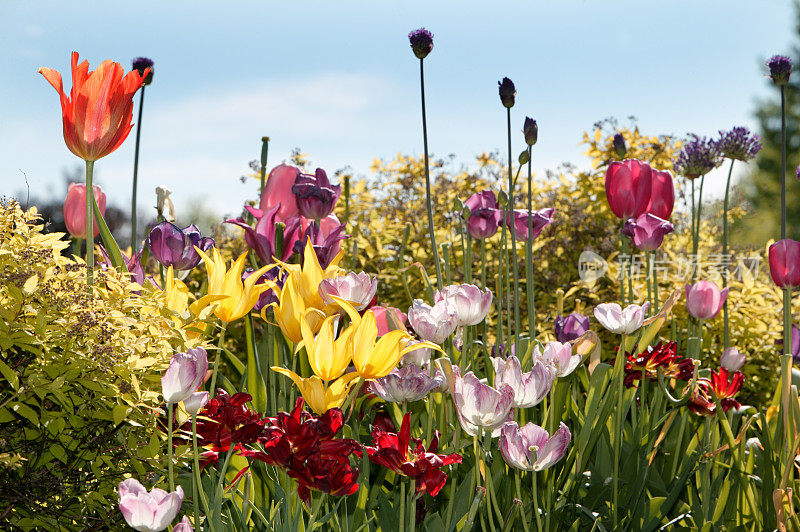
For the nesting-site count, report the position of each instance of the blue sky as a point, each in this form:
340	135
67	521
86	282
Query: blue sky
338	80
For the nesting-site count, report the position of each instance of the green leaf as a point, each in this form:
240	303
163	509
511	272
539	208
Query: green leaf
120	412
25	411
111	246
10	375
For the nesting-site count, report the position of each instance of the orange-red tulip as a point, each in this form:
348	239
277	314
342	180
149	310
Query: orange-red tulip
75	209
98	112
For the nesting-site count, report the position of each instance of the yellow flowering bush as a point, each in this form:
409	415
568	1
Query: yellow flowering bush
80	392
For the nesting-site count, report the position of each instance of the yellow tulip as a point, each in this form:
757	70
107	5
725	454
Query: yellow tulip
176	295
309	276
320	396
240	297
376	357
327	357
290	311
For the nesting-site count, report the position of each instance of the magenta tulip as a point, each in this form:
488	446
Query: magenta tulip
540	219
704	299
662	195
261	238
647	231
278	192
628	187
784	263
485	215
75	209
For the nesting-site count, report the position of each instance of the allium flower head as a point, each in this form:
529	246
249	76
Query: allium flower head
421	42
619	145
780	68
697	158
739	144
140	64
507	92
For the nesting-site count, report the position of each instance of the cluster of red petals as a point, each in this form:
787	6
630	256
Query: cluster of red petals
223	422
663	357
97	113
721	385
304	445
392	450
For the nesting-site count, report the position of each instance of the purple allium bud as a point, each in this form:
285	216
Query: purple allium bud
507	92
140	63
697	158
619	145
739	143
421	42
570	327
780	68
531	131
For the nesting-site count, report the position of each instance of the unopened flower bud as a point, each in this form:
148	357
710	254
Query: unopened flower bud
421	42
531	131
619	146
507	92
780	68
524	157
140	64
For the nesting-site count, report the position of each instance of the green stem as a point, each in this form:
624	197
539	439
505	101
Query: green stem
198	485
402	513
535	490
655	282
786	372
783	162
726	333
428	179
518	486
618	428
698	221
529	254
622	248
89	223
136	172
510	219
169	447
213	389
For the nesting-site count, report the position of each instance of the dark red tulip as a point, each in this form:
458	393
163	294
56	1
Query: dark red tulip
662	195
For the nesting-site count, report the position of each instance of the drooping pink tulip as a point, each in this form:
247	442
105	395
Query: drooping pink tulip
628	187
148	511
662	195
784	263
481	407
278	191
704	299
531	448
647	231
540	219
75	209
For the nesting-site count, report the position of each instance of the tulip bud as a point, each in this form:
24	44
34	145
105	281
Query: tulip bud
75	209
140	64
629	187
164	206
507	92
523	157
732	359
421	42
780	68
184	375
619	146
531	131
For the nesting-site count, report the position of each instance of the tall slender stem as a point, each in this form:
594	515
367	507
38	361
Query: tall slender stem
170	415
786	371
264	153
783	162
428	178
618	427
726	326
655	281
136	172
529	252
89	223
694	234
510	220
213	388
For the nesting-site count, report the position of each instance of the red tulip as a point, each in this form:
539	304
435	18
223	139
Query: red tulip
98	112
628	188
278	191
662	195
75	209
784	263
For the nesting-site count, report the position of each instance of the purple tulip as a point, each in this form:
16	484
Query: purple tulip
704	299
541	219
315	195
325	239
145	511
485	215
277	275
732	359
172	246
529	388
796	343
531	448
261	238
356	288
571	327
470	302
184	375
479	406
647	231
558	357
133	264
433	323
407	384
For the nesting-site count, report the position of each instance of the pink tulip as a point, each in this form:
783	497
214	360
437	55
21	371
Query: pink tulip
647	231
662	195
558	358
184	375
75	209
628	187
148	511
479	406
184	526
433	323
704	299
407	384
784	263
529	388
388	319
531	448
355	288
470	302
278	191
732	359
